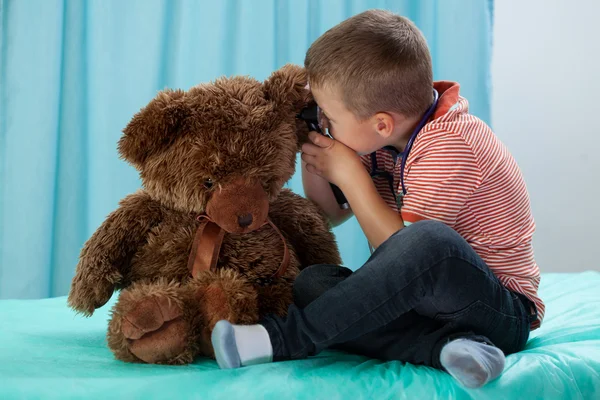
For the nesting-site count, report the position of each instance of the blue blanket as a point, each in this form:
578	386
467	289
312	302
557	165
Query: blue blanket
48	352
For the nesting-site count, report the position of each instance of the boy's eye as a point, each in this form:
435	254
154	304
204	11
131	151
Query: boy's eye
323	120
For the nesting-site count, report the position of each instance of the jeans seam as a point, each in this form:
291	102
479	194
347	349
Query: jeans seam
388	299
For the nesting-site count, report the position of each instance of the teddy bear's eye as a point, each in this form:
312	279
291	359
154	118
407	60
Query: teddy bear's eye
208	183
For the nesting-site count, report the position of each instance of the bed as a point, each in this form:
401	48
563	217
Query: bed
48	352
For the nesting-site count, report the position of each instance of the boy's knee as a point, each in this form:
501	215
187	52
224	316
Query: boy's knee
429	236
314	280
306	276
430	231
306	284
433	229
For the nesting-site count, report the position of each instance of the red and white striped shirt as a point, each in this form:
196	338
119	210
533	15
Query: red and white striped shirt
458	172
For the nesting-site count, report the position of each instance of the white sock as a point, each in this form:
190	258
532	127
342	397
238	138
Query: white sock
472	363
253	344
241	345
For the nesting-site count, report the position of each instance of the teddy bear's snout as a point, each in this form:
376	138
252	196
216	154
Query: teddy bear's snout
239	206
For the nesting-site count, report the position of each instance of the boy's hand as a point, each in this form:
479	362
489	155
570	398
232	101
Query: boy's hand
341	166
331	159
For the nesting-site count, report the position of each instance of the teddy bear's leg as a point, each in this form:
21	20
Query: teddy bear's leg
155	323
171	323
223	294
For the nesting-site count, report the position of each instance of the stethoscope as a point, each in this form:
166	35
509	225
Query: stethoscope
375	172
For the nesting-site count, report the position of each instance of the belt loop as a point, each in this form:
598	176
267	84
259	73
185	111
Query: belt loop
534	316
529	306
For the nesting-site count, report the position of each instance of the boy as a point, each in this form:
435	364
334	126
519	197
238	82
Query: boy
452	282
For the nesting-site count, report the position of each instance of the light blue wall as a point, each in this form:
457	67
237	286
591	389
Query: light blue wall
74	72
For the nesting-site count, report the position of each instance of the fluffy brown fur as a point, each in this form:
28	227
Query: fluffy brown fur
225	149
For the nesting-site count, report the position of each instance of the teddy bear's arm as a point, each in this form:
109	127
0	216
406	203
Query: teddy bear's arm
306	228
106	255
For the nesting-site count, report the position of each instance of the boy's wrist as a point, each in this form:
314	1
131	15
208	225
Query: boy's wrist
377	220
356	181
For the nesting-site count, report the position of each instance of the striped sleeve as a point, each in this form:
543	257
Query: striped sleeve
439	182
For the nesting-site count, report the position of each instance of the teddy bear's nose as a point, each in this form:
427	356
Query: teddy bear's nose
245	220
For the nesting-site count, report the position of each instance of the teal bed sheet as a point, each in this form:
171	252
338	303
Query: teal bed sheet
47	352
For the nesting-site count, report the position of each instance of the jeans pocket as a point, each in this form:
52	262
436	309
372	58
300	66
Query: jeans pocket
474	308
504	331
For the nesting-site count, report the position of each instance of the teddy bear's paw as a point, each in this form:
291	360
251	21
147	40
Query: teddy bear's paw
226	295
156	330
166	345
89	291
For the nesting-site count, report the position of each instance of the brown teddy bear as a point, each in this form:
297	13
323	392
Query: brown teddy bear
213	234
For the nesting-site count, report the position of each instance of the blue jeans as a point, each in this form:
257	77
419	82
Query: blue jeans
421	288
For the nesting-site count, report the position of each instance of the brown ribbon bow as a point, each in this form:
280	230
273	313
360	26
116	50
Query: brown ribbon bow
207	244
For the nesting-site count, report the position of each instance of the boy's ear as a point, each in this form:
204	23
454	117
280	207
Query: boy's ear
154	128
288	87
383	124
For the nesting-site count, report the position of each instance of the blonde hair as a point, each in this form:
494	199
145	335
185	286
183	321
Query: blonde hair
377	61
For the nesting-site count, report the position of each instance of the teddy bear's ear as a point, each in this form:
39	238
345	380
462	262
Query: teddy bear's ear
288	87
154	128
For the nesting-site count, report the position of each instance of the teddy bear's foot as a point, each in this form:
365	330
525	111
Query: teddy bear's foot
155	329
152	323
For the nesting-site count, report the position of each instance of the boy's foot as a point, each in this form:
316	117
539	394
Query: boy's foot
240	345
472	363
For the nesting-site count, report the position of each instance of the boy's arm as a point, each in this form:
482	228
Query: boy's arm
334	162
377	220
